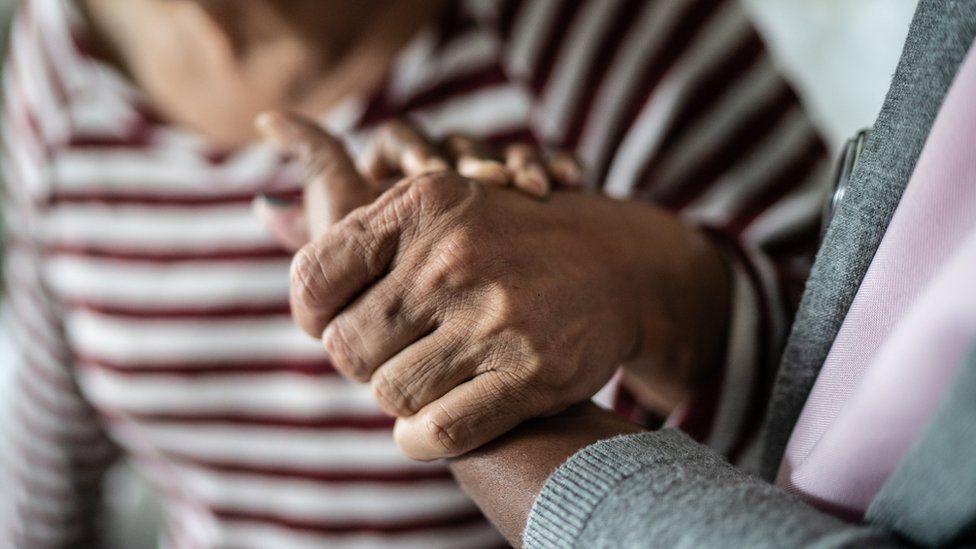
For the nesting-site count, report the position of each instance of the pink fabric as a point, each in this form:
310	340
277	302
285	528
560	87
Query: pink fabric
908	328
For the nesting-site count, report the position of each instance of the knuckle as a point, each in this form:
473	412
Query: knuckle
335	340
432	190
391	311
364	239
399	206
445	431
356	229
527	394
460	247
359	239
501	306
453	263
389	393
307	279
528	373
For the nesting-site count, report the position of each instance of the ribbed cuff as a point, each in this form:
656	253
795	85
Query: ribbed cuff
571	494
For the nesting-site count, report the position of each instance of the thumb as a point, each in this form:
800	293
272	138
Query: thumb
333	187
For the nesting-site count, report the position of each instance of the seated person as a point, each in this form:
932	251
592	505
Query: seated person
471	310
151	307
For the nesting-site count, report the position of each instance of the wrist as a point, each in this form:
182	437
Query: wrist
505	476
683	285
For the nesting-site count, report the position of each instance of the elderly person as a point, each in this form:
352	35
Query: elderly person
151	311
471	310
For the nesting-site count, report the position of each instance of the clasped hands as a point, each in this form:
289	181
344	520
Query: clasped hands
470	307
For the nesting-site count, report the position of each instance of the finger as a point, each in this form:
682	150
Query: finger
488	171
379	324
532	180
474	160
459	145
284	219
528	175
467	417
333	269
422	373
397	149
565	170
333	186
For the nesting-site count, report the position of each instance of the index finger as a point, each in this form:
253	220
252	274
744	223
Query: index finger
334	268
397	148
333	186
470	415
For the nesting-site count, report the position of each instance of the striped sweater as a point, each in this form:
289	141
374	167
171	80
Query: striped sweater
150	309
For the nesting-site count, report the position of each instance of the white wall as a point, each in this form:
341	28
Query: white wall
840	53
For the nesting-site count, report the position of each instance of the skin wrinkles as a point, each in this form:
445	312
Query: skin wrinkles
470	308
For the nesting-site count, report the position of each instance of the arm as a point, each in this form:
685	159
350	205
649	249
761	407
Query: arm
587	478
678	103
52	448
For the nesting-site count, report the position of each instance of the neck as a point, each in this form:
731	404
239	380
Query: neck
361	63
212	65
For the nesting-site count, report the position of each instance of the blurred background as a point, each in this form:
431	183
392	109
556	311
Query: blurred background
839	53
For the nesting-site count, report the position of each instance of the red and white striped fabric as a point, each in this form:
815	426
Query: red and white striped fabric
150	307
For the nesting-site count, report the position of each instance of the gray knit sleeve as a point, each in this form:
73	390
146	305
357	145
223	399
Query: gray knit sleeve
662	489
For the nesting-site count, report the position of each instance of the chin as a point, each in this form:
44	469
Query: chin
222	126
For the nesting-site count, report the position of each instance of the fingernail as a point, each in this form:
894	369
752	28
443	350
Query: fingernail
436	164
532	180
275	201
413	162
489	171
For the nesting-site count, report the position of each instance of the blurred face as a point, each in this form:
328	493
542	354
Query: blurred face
212	65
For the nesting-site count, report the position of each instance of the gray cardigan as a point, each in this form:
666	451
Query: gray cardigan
661	489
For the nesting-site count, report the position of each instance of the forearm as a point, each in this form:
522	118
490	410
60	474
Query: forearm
593	488
682	332
505	476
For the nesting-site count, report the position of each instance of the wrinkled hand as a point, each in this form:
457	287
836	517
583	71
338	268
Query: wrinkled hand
395	150
467	307
470	308
398	149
